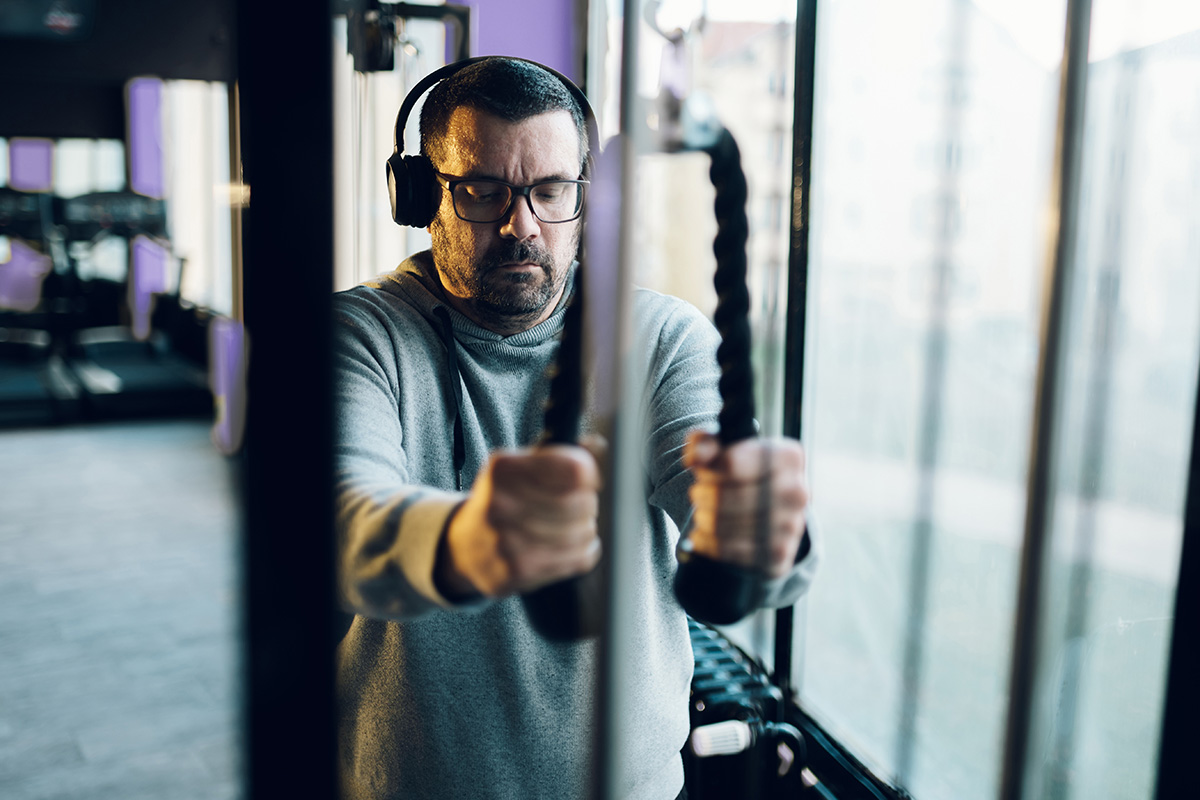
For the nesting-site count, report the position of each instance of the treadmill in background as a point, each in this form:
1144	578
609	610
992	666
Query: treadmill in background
39	309
123	357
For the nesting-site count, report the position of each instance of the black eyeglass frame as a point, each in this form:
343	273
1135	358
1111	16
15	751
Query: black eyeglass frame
513	193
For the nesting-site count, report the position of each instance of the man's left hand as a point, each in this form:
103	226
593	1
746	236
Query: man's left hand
749	500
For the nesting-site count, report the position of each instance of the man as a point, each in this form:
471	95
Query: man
444	688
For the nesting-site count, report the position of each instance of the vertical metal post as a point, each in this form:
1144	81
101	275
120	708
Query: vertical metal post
236	199
1063	215
804	92
286	91
621	517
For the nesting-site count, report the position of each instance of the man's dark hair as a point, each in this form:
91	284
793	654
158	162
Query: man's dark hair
508	88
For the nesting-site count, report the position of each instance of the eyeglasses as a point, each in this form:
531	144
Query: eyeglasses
489	201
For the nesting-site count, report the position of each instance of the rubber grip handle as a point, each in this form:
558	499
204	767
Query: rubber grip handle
716	592
568	610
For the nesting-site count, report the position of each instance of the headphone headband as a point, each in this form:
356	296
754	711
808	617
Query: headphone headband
441	73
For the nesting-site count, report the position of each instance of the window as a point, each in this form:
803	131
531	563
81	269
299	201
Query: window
918	402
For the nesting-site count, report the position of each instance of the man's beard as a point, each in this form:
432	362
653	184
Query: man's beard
499	298
499	292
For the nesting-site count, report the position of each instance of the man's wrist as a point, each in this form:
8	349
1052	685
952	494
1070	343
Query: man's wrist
448	580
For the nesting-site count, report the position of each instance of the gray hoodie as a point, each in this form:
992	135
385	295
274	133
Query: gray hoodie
467	701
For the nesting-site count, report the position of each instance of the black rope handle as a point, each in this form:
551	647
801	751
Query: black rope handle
570	609
560	421
732	316
708	590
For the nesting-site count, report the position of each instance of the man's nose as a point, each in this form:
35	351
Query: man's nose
520	223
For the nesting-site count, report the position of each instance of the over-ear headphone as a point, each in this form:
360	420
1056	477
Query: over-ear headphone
412	186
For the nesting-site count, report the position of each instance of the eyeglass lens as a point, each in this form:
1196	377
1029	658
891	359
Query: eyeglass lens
488	201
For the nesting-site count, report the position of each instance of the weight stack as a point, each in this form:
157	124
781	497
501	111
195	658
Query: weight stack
734	707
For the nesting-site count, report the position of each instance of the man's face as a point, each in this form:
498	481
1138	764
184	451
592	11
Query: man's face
507	276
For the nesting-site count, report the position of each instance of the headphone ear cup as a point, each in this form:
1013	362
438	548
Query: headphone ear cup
412	189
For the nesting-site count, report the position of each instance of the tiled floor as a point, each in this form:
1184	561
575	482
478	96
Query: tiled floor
118	613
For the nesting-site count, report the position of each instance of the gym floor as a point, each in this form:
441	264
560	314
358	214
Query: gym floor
118	614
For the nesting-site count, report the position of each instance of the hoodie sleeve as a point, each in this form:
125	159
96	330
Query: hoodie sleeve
389	528
683	396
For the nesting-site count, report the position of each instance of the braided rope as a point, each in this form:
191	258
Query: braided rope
560	422
569	609
732	316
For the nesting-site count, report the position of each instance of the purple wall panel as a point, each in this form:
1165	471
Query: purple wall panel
150	265
227	351
21	277
540	30
145	151
31	164
149	278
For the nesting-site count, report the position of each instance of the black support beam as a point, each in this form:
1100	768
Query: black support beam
1181	706
286	111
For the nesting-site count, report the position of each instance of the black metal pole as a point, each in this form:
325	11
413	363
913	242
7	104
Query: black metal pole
286	91
1019	733
1096	447
797	297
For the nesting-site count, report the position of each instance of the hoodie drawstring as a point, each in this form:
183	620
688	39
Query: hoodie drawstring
460	447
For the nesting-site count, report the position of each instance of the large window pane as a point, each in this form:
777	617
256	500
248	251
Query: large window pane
931	174
931	167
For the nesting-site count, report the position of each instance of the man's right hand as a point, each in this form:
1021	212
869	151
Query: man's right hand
529	521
